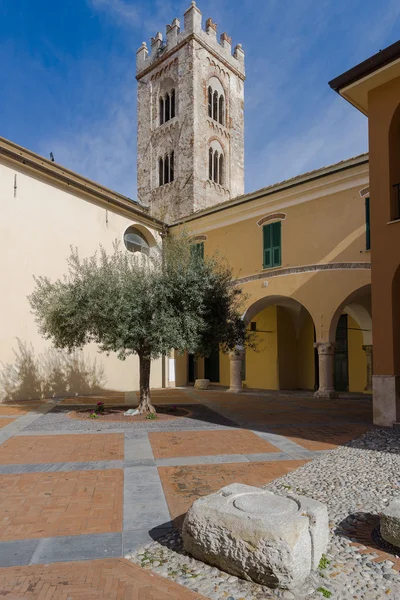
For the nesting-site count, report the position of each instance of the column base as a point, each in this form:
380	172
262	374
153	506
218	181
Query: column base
326	394
235	390
386	399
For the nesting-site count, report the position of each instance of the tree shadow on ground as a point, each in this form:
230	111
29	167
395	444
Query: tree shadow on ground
52	374
362	529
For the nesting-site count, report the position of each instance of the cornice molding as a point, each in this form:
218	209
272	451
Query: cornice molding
268	274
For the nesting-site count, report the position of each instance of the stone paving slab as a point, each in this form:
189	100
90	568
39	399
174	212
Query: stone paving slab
78	547
57	420
15	553
145	506
6	421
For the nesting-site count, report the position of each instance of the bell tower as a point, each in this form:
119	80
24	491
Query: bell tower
190	139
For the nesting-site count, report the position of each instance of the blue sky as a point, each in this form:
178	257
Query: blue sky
67	78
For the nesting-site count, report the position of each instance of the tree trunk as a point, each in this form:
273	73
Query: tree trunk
145	406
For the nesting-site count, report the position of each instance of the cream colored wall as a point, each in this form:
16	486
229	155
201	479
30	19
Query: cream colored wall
306	356
356	356
37	228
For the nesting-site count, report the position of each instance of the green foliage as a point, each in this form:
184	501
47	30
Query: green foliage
326	593
151	416
324	562
129	304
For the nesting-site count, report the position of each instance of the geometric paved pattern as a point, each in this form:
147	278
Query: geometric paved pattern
70	490
113	579
207	443
61	448
37	505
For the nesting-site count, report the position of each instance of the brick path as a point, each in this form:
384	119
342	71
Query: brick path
115	579
69	495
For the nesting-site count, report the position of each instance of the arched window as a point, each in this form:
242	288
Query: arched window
215	106
166	169
221	115
167	108
210	164
171	167
161	111
172	104
210	101
216	165
135	241
221	170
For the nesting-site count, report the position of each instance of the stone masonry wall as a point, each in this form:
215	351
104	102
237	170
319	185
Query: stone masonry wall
186	62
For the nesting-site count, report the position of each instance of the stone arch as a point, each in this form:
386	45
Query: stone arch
271	217
285	356
357	305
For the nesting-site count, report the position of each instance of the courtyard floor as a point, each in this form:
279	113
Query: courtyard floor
78	496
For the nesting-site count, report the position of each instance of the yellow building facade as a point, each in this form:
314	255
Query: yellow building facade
300	252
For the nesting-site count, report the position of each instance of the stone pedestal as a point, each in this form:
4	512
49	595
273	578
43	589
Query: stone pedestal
390	523
368	352
256	535
235	382
202	384
326	355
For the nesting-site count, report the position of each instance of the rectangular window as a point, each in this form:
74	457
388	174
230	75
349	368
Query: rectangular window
367	225
197	250
272	245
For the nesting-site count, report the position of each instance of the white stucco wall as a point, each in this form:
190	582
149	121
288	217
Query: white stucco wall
37	228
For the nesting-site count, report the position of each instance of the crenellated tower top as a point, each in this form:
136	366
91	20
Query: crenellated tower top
161	49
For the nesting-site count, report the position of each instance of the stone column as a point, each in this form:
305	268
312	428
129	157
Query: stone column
326	352
235	359
368	351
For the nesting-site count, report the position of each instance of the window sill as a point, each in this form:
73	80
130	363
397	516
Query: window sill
271	268
393	221
173	120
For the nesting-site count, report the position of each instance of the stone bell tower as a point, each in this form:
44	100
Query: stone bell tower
190	144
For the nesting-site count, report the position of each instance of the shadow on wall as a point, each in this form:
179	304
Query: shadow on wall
51	374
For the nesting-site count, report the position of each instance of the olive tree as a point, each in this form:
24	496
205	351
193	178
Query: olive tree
132	304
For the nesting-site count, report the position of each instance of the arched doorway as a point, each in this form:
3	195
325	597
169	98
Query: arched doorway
351	331
285	355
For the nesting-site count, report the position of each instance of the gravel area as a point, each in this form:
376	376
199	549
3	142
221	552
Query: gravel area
355	481
201	418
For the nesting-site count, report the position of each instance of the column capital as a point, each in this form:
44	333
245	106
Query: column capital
325	347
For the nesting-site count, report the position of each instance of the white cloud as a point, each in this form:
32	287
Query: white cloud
124	12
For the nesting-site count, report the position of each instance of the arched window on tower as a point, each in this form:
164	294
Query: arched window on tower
166	169
161	110
160	171
172	104
215	106
210	102
167	108
171	167
221	170
210	164
216	167
221	114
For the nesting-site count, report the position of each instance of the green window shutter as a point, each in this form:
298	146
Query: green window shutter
367	225
197	250
272	245
276	243
267	243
